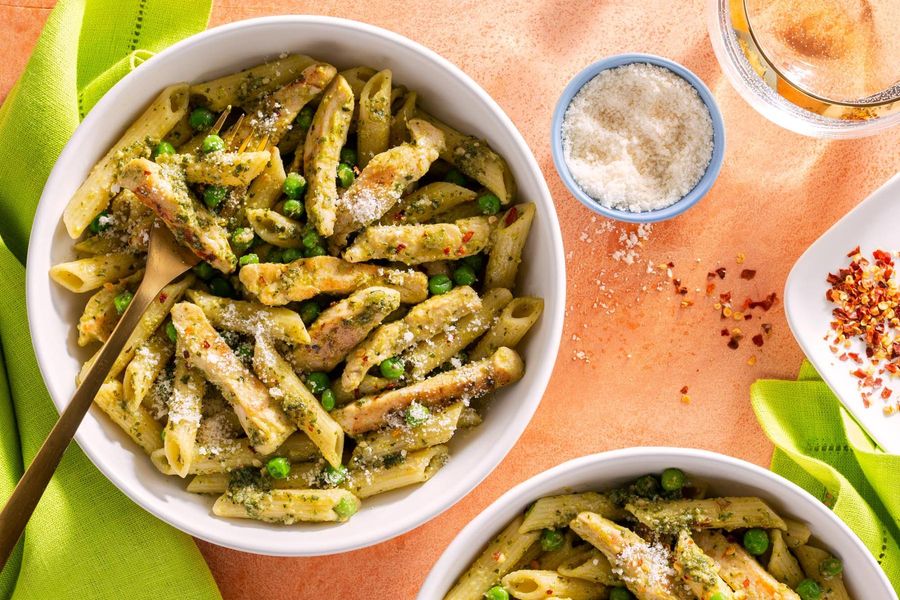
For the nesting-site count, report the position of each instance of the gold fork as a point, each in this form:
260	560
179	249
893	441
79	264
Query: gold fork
166	260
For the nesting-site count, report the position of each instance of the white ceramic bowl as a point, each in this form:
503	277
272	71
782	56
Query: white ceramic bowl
726	475
448	93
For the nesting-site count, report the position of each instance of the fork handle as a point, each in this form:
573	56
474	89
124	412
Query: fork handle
28	491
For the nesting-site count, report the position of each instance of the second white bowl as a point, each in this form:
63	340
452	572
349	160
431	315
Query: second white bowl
726	475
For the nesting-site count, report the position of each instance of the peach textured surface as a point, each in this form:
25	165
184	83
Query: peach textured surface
629	346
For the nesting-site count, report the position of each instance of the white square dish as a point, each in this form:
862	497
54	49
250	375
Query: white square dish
872	225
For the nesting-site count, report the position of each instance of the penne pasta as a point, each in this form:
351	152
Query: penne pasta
137	423
373	130
86	274
553	512
515	320
277	284
100	315
591	565
265	190
232	454
298	402
220	168
811	560
275	228
796	534
727	513
415	467
698	571
497	559
243	87
150	358
538	585
740	570
400	121
466	383
180	434
321	153
782	564
288	506
94	194
508	243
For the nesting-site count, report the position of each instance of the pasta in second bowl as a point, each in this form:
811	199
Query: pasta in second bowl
254	342
655	523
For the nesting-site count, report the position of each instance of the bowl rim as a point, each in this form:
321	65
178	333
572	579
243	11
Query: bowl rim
479	529
47	218
700	189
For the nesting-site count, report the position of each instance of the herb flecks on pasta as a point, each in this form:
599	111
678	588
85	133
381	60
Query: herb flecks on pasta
349	315
656	538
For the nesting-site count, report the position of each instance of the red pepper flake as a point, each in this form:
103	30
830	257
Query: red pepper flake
764	304
859	373
468	236
185	354
767	328
721	272
511	215
758	339
447	251
886	393
163	297
710	288
401	248
684	390
725	333
748	274
205	344
853	252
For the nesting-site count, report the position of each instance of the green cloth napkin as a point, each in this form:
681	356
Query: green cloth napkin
821	448
86	539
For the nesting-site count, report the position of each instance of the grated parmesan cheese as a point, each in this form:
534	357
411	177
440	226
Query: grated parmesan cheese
637	137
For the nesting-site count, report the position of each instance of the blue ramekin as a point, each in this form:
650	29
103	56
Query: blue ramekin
689	199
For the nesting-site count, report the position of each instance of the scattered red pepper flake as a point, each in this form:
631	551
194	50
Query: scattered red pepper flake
721	272
163	297
468	236
758	339
511	215
748	274
684	390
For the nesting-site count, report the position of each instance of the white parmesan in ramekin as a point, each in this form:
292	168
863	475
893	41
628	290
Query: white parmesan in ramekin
637	137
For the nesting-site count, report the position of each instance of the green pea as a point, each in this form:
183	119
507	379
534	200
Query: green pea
476	261
416	414
290	255
349	156
317	250
318	382
392	368
242	239
345	509
646	486
311	239
489	204
328	400
672	479
345	175
551	539
293	209
204	270
122	301
304	119
213	195
717	596
309	311
201	118
809	590
278	467
248	259
171	332
756	541
620	593
456	177
101	222
334	476
831	566
464	275
162	148
221	287
496	593
294	185
212	143
439	284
